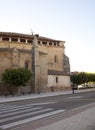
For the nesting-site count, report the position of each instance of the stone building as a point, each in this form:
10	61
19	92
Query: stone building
43	56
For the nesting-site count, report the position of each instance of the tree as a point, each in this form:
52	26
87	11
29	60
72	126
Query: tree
16	77
75	79
82	77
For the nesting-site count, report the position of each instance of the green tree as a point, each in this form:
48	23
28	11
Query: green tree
82	77
16	77
75	79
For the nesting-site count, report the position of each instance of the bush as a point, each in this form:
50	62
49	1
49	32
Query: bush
16	77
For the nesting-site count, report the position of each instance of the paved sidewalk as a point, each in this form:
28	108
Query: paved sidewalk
82	121
41	95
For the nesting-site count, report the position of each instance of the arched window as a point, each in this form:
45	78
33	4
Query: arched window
55	58
27	64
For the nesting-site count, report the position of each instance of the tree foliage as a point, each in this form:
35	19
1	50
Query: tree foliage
16	77
82	77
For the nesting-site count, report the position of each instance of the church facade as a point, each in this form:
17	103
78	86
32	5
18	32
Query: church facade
43	56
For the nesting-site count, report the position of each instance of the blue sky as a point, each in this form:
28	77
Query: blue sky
72	21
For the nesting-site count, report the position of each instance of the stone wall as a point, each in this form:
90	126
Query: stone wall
5	60
54	57
16	51
58	83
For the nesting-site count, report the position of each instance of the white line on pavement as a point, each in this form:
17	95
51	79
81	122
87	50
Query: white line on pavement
24	115
10	125
19	112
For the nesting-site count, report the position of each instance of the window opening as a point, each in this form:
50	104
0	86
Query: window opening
26	64
44	43
5	39
50	43
56	59
56	79
14	39
38	42
54	44
22	40
30	41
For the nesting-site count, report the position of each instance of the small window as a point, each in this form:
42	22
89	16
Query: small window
30	41
14	39
56	59
22	40
50	43
54	44
56	79
26	64
44	43
38	42
5	39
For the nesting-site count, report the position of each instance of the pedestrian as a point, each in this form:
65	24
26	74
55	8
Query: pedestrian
73	88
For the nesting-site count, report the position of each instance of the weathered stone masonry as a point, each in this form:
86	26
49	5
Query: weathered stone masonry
44	57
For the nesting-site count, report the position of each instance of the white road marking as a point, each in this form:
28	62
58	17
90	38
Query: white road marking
20	112
24	115
43	103
15	109
10	107
10	125
76	97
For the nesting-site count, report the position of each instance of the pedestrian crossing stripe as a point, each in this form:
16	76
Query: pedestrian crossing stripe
10	107
25	115
19	112
16	123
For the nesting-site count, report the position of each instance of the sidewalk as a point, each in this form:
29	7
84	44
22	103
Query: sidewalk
41	95
82	121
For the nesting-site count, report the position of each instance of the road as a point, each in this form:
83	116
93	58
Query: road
43	111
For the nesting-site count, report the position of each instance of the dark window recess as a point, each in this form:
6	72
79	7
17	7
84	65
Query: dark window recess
22	40
56	59
26	65
14	39
57	44
50	43
56	79
44	43
38	42
54	44
5	39
30	41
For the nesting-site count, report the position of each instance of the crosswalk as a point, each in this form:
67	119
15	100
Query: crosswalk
13	115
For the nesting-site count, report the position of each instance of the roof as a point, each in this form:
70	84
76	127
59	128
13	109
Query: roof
21	35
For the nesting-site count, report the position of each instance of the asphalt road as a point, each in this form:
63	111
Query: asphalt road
43	110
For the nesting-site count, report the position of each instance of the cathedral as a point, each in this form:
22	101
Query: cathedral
44	57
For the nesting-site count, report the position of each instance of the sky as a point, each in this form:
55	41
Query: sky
72	21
